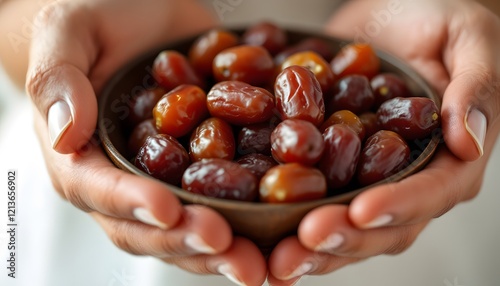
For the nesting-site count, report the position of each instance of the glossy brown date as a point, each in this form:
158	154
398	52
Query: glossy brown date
341	155
411	117
255	139
213	138
267	35
348	118
385	153
204	50
171	69
164	158
352	93
251	64
239	103
292	182
222	179
179	111
358	59
257	163
297	141
315	63
298	95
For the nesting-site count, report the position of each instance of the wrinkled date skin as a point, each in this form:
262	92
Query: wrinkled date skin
298	95
213	138
255	139
164	158
385	153
297	141
348	118
239	103
171	69
356	59
139	135
388	86
222	179
341	155
352	93
257	163
292	182
251	64
267	35
315	63
179	111
411	117
206	48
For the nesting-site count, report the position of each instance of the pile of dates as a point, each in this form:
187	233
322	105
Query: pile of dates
252	118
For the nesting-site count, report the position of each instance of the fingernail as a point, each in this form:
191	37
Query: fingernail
196	243
476	123
332	242
297	282
226	270
59	119
302	270
145	216
379	221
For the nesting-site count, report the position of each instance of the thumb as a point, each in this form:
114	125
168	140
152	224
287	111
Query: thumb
471	102
60	58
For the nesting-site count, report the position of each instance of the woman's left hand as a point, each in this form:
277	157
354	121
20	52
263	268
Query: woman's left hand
454	44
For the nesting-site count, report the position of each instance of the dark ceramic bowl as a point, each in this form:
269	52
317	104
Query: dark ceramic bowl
265	224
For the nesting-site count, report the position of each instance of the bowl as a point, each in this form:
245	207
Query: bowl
264	224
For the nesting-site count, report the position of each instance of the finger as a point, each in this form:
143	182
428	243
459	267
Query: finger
61	54
429	193
290	260
201	230
328	229
242	263
472	100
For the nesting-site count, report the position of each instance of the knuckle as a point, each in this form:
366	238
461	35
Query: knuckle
120	239
403	241
74	194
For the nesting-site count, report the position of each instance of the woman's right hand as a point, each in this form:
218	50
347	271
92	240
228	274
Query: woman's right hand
76	48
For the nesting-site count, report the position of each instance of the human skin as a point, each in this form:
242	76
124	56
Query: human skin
142	217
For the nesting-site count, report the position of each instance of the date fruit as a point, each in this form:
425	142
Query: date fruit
352	93
239	103
171	69
357	59
348	118
213	138
220	178
139	135
251	64
292	182
298	95
316	45
267	35
257	163
255	139
141	107
387	86
385	153
164	158
411	117
341	155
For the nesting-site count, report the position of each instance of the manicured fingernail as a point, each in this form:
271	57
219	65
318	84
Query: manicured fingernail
379	221
226	270
302	270
59	119
332	242
297	282
476	124
196	243
145	216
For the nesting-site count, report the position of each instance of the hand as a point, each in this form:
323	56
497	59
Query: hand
77	47
454	45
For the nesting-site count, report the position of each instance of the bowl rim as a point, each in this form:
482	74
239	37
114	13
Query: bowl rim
119	160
